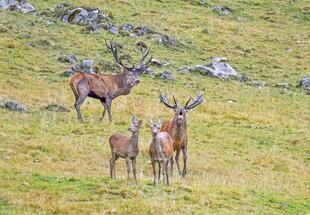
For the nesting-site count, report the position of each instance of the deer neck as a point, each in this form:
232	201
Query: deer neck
134	140
178	128
122	87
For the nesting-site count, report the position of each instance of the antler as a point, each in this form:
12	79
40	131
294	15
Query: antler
196	102
112	47
164	100
142	47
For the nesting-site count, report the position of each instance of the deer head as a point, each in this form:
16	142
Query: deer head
132	72
180	112
155	127
134	127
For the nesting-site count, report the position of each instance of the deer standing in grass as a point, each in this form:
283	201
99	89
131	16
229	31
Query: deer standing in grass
161	151
107	87
125	147
177	128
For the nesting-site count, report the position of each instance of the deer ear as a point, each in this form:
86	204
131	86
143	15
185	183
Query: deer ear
150	120
140	122
159	121
133	120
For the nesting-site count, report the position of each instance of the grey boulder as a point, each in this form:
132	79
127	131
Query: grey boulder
11	105
217	69
304	83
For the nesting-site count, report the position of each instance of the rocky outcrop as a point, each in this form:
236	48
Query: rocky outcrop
21	6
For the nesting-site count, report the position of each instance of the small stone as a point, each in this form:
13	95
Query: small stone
164	75
304	83
128	27
57	108
113	30
258	84
285	86
184	69
219	59
243	78
87	63
67	73
67	59
156	62
222	9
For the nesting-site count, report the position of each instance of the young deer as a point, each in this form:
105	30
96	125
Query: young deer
177	128
161	150
125	147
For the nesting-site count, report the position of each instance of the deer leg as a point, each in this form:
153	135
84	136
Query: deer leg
184	160
166	169
128	170
111	167
159	172
104	110
177	160
171	165
134	170
77	105
109	103
115	158
154	171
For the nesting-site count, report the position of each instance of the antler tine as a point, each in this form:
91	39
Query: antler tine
196	102
112	47
190	98
175	101
164	99
144	51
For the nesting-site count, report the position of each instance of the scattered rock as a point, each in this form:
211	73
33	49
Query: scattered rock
219	59
166	40
167	64
184	69
217	69
87	63
67	59
57	108
11	105
149	72
92	19
113	30
304	83
18	5
258	84
164	75
84	67
222	9
243	78
128	27
156	62
285	86
67	73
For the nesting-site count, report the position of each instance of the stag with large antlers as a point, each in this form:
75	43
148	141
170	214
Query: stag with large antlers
107	87
177	128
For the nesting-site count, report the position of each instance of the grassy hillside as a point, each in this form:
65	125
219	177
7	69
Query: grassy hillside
246	157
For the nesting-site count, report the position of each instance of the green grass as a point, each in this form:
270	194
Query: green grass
249	157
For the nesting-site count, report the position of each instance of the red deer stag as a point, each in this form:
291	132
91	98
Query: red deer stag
125	147
108	87
177	128
161	151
